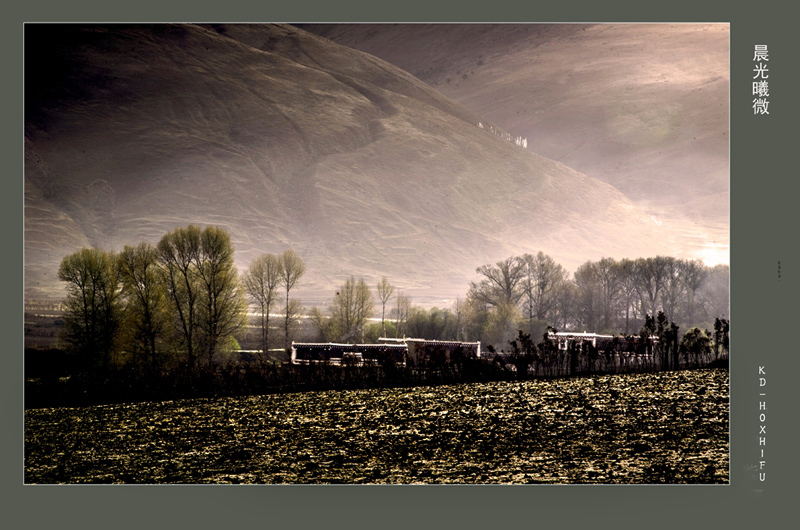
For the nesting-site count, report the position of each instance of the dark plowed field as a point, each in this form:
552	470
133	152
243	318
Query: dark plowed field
669	427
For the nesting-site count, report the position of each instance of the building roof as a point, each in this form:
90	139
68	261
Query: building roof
429	341
338	346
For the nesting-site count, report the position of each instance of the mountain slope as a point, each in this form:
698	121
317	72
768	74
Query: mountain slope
288	140
643	107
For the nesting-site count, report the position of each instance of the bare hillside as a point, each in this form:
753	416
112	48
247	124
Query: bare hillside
289	140
643	107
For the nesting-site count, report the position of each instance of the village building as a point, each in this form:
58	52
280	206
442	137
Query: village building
402	351
349	354
421	350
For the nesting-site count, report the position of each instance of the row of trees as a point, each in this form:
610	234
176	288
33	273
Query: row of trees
607	296
350	310
532	292
347	318
180	304
268	277
181	299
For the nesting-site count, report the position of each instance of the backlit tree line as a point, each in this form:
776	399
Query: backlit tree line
348	315
180	300
157	321
531	293
607	296
183	300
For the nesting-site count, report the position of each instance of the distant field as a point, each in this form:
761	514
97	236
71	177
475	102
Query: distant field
669	427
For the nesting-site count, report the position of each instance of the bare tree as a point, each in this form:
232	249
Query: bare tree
324	324
293	313
292	269
694	275
566	300
715	292
261	282
501	283
385	290
627	270
610	280
674	286
460	314
589	295
351	307
541	277
651	274
402	311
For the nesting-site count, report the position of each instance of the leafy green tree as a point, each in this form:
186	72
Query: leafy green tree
92	308
324	324
474	314
373	332
433	324
203	286
224	310
460	313
145	302
502	324
178	253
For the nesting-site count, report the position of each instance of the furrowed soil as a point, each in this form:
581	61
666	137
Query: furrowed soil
669	427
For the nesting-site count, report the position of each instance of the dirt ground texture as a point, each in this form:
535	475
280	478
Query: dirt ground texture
669	427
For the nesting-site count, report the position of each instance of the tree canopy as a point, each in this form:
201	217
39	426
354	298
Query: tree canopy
93	310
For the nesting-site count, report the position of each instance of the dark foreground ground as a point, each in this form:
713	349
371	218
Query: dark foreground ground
669	427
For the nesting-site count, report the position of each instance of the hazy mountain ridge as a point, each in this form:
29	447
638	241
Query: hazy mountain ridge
288	140
643	107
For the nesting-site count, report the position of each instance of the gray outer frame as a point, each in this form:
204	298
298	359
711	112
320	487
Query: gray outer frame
762	235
